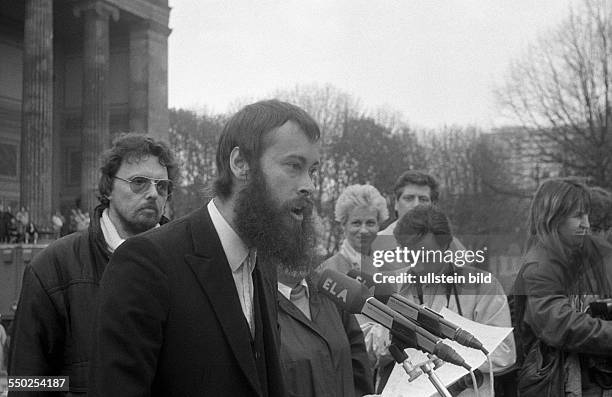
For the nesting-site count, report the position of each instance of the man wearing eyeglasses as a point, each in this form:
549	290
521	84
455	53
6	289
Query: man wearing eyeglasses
190	309
52	329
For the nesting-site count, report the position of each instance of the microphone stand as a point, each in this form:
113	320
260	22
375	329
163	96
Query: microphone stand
433	378
412	371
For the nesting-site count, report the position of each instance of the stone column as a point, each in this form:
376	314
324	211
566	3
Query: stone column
37	112
149	79
95	135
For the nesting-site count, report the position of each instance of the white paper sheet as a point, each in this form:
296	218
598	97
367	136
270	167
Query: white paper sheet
490	337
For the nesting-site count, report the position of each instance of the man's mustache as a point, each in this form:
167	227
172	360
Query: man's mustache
306	204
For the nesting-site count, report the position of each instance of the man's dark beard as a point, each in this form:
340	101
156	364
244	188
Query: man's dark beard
280	239
137	226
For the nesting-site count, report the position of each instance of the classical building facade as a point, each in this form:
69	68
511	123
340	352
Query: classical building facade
74	73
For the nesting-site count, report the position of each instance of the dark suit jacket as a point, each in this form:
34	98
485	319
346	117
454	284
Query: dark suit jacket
169	321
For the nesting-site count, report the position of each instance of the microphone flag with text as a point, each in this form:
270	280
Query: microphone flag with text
354	297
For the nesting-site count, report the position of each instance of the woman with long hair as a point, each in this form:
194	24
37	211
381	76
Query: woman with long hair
562	344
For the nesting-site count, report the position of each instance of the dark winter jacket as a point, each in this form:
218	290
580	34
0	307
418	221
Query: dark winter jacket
552	294
52	328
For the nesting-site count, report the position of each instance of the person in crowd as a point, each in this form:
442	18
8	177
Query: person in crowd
427	227
3	225
191	308
411	189
563	344
80	219
3	351
52	329
30	234
57	222
322	347
360	210
13	231
23	219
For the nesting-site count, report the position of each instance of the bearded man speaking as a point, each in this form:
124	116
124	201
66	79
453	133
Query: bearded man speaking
190	309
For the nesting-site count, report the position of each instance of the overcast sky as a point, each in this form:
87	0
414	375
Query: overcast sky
435	61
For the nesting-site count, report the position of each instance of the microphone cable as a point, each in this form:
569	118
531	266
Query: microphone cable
474	383
491	375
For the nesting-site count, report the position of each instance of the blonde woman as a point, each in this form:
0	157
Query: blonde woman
360	210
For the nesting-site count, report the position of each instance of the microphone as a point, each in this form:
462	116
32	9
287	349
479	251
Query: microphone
434	322
363	278
382	291
355	298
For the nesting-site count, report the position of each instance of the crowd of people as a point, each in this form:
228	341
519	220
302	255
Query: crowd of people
226	300
19	228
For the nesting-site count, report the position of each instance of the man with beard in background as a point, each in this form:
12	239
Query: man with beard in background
51	334
190	309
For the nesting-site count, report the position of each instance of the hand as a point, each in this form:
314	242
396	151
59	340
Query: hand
377	341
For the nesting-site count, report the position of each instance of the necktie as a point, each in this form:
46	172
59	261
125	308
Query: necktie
247	290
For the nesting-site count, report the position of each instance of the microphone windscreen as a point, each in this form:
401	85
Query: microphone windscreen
346	292
363	278
398	355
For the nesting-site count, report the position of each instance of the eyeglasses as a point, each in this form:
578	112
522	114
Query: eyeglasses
139	184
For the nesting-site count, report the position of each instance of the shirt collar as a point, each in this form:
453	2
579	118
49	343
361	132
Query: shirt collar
235	249
111	236
286	290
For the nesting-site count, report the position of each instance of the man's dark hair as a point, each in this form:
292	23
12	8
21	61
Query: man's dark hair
600	216
423	219
132	147
248	129
419	178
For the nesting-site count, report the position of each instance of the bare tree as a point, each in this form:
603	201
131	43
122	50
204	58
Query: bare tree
561	91
193	138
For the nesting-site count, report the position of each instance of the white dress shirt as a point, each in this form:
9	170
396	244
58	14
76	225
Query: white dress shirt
111	236
241	261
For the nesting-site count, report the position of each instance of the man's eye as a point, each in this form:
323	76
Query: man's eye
294	166
424	198
138	181
408	198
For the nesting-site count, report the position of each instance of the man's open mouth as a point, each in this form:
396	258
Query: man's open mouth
298	213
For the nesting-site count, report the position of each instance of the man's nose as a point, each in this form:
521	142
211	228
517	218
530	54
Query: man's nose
307	185
152	191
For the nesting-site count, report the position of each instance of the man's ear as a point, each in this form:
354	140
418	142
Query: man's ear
238	164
